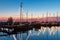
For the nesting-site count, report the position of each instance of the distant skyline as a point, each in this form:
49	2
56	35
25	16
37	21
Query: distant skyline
11	8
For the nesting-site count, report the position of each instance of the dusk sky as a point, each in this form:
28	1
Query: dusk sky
10	8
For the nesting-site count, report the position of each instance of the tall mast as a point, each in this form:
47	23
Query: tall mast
31	17
43	17
47	17
21	12
57	16
53	17
27	16
38	18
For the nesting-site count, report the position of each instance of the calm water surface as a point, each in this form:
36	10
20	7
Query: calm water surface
44	33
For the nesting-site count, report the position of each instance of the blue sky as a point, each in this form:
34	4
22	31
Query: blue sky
37	7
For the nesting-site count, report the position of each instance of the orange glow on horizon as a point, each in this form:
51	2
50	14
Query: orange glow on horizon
17	18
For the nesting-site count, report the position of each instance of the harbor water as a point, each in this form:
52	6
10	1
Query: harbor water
43	33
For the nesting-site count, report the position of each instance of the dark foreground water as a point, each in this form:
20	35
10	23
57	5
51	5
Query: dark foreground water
44	33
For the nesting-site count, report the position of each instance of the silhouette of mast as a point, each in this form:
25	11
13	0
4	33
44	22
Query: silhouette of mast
31	17
57	16
27	16
21	12
47	17
38	18
43	17
53	17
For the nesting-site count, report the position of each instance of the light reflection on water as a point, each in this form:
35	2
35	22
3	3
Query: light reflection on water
44	33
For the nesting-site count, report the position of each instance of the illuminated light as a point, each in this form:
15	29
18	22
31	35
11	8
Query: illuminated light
30	23
21	24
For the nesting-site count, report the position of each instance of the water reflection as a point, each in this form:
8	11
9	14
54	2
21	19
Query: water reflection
14	37
51	30
43	33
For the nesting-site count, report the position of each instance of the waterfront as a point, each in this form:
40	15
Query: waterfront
43	33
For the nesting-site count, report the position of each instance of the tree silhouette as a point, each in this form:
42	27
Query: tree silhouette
10	21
